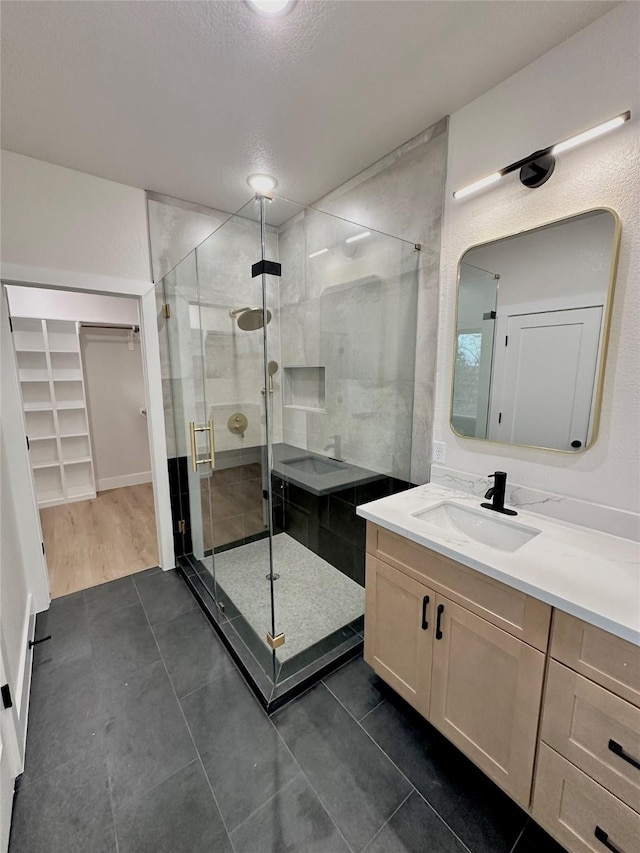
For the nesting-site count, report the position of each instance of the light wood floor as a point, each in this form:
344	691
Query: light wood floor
90	542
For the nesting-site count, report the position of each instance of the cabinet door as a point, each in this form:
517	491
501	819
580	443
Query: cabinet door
398	640
485	695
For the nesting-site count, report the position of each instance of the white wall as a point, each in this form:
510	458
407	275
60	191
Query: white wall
585	80
76	232
63	219
114	382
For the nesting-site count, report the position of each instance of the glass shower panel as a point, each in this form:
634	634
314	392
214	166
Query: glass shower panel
181	350
232	334
475	332
342	401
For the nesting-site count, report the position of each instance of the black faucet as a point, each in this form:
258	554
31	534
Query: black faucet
497	492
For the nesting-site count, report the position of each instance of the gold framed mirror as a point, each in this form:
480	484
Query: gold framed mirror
532	324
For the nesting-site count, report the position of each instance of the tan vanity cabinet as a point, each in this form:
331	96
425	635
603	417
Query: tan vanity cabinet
452	642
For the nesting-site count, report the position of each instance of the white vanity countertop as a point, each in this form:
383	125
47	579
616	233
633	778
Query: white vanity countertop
588	574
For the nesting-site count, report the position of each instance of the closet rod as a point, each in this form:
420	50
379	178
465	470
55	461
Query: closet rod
110	326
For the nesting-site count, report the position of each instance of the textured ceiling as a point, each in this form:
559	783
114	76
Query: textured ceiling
188	98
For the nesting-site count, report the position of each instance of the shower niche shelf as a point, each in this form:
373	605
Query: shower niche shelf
55	409
304	388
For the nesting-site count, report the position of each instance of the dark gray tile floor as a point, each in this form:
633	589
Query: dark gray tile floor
144	738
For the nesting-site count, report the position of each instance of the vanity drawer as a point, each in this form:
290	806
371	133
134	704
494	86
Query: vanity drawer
598	655
580	813
513	611
587	724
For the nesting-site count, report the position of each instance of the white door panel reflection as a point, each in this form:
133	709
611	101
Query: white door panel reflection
546	370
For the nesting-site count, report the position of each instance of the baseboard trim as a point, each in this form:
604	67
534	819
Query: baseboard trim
124	480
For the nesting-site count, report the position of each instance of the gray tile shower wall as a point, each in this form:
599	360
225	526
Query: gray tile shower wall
401	194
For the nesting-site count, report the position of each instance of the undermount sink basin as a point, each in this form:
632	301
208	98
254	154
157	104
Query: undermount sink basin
481	525
315	465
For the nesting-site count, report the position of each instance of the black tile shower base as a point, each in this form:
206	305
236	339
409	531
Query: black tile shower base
255	661
143	737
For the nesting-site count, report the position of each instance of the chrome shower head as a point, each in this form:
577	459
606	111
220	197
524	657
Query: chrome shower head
249	319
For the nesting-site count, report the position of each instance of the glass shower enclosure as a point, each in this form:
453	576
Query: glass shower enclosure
288	346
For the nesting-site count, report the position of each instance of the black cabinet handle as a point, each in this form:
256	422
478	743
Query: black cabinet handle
603	838
439	620
618	749
425	604
33	643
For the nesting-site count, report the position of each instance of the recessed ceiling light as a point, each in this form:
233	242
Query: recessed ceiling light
271	8
262	183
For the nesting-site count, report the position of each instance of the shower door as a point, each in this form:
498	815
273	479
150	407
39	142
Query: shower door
214	344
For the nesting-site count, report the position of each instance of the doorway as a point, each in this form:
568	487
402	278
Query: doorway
82	384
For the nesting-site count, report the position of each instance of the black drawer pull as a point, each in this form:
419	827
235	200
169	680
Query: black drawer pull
438	622
425	604
618	749
33	643
603	838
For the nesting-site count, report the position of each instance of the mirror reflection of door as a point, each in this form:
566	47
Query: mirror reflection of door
545	370
529	344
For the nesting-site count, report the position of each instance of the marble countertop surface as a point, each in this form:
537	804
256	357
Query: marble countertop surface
588	574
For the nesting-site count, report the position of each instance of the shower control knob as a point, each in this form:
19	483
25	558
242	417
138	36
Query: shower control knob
238	423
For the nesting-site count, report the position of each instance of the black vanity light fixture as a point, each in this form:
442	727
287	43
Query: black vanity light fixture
538	167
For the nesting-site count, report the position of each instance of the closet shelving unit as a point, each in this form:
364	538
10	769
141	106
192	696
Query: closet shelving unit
55	409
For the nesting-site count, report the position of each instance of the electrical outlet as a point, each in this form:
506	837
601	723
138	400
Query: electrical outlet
437	452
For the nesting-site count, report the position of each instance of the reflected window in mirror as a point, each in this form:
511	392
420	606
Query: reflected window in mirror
531	329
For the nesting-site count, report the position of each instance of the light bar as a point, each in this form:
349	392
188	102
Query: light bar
596	131
537	168
478	185
358	237
319	252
